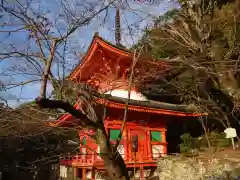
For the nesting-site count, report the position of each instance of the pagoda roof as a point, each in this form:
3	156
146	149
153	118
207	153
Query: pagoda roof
96	41
99	42
157	106
148	106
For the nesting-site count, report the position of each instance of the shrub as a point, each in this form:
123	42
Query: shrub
189	144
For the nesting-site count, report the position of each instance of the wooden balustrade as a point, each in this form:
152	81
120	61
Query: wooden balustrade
93	160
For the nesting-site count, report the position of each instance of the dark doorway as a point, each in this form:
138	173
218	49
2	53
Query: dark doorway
177	127
174	131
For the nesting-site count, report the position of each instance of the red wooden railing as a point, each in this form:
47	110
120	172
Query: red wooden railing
80	159
94	160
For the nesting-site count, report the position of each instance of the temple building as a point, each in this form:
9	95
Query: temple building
106	67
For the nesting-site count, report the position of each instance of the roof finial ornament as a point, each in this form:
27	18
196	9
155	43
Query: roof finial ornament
117	25
96	33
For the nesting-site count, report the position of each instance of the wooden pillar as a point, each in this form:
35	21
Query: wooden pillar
84	174
75	173
141	172
93	173
125	144
165	141
164	135
129	145
149	145
151	174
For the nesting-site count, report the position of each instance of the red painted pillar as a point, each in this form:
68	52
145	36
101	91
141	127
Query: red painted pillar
129	145
84	174
149	145
75	173
141	172
93	173
125	139
164	140
164	136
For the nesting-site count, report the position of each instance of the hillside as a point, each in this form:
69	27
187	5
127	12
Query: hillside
201	44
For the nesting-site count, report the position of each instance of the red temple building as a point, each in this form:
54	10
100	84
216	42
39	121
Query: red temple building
106	68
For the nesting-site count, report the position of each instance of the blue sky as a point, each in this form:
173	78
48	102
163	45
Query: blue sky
79	42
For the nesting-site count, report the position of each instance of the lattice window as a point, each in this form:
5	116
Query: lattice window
156	136
114	134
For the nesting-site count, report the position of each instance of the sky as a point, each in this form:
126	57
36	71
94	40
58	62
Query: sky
80	39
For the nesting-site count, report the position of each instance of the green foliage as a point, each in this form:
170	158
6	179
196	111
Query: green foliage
150	46
217	140
186	144
25	104
159	54
168	17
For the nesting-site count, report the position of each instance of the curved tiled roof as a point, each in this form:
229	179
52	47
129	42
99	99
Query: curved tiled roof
149	106
156	105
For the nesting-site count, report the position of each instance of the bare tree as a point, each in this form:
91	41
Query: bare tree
202	46
47	47
30	33
48	43
93	117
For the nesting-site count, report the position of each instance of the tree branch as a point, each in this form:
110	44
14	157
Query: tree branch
135	59
58	104
47	69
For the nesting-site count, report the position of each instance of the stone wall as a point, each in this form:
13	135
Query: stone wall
199	168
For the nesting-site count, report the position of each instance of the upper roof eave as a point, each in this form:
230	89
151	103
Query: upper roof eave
108	45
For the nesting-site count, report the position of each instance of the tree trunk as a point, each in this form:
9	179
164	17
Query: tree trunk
206	134
113	161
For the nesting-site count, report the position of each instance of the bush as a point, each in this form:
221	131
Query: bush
216	140
189	144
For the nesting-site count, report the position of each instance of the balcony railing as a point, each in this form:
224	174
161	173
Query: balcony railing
95	160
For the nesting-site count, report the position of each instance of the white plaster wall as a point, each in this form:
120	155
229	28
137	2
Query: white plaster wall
124	94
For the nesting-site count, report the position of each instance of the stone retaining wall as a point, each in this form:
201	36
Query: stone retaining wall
199	168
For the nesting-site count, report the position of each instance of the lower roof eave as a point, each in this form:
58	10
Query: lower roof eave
138	108
118	103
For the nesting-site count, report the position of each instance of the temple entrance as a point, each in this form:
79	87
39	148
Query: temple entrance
138	144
